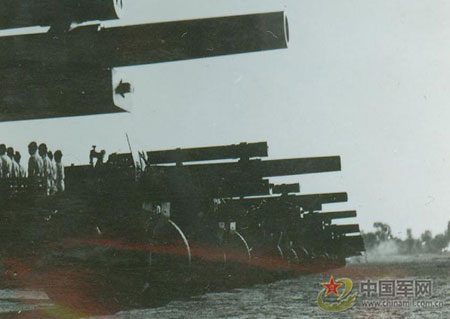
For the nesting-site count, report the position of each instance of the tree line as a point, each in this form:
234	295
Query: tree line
426	243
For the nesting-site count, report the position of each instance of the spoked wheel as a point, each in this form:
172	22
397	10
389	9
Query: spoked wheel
304	255
292	256
323	259
280	250
168	259
168	244
237	249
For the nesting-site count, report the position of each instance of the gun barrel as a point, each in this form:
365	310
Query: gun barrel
217	174
25	13
258	168
345	229
32	95
297	166
337	215
286	188
90	47
305	201
242	150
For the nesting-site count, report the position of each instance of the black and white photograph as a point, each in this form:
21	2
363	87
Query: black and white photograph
224	159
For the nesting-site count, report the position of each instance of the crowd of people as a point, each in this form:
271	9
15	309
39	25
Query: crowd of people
43	164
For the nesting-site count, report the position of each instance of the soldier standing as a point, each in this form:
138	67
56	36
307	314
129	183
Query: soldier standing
92	155
35	164
59	180
46	167
14	165
22	172
53	172
6	162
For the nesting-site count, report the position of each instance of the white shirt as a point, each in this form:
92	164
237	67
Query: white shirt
47	168
6	166
15	172
35	166
54	168
22	171
60	177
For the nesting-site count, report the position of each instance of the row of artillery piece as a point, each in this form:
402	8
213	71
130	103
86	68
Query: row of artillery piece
196	198
170	215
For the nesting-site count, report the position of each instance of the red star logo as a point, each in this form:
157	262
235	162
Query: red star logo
332	287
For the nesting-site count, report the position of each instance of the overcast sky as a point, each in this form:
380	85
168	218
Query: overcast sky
366	80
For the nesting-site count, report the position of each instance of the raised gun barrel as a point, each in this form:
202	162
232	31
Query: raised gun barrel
51	76
345	229
42	95
258	168
242	178
328	216
216	177
91	46
297	166
286	188
25	13
236	151
308	202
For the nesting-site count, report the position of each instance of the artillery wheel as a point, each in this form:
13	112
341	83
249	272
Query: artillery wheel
304	256
237	248
168	259
292	257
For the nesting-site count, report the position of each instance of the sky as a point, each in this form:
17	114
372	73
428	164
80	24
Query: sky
366	80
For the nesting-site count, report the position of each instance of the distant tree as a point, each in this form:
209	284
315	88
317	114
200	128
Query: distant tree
425	244
426	238
418	247
382	231
409	241
439	242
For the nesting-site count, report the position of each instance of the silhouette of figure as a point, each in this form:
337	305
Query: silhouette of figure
6	162
46	167
22	172
59	177
53	172
35	164
14	165
100	156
